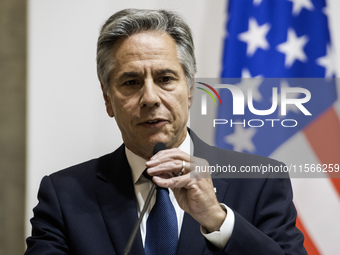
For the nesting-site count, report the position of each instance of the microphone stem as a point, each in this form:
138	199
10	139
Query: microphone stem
136	227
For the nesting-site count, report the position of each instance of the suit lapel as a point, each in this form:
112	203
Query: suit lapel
191	241
117	201
203	150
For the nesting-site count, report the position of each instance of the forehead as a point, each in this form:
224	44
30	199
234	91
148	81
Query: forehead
146	48
143	40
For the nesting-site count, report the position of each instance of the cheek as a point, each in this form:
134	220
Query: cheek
180	106
125	108
187	96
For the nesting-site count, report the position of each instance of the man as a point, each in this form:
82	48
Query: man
146	67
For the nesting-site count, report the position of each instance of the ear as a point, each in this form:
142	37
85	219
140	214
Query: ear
190	95
107	100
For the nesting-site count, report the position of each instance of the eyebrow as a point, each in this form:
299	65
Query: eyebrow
129	75
126	75
166	71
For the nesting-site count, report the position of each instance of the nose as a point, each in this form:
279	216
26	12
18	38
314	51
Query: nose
150	94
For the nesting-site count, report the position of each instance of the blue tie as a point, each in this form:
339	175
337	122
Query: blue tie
161	226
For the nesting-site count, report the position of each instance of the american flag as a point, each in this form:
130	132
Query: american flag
288	39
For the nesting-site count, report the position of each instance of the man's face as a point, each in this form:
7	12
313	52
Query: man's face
148	94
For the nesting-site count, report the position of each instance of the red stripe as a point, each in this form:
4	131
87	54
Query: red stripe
308	243
324	137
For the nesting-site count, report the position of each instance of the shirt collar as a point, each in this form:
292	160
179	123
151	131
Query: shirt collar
137	163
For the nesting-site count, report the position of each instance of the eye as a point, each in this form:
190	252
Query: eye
165	79
130	82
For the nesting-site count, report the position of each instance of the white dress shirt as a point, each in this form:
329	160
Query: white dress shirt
143	186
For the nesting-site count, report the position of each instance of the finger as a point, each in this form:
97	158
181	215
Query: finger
174	167
168	155
164	167
169	161
184	181
182	171
173	182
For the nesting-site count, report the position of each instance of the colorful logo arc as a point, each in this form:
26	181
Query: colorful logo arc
209	93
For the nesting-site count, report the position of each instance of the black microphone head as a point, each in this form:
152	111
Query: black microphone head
158	147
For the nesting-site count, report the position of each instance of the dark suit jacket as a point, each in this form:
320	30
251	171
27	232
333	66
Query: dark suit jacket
91	209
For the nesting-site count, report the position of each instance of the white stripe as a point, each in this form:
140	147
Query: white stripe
316	199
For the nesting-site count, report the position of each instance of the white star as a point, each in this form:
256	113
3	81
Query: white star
293	48
246	74
326	10
255	37
241	139
257	2
299	4
328	62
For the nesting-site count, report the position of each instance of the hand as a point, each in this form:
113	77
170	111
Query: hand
194	193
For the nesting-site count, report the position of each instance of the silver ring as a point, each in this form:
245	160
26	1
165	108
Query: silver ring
182	169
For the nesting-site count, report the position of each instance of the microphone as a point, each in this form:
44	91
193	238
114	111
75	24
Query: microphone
158	147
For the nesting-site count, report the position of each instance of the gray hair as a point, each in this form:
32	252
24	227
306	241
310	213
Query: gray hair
132	21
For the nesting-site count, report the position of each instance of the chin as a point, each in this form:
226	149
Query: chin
159	139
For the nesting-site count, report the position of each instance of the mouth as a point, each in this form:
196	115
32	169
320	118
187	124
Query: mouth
153	123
